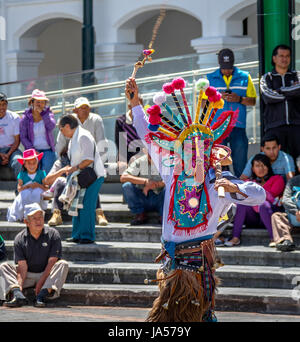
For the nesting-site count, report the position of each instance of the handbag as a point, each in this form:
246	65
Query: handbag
86	177
296	200
3	255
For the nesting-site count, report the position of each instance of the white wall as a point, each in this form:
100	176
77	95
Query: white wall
122	29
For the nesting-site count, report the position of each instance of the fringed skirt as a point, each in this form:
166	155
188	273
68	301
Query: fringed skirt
187	286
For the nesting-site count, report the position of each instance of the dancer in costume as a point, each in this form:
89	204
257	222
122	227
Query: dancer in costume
185	150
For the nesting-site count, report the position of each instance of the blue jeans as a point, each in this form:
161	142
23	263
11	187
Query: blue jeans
239	149
84	223
138	203
48	160
13	160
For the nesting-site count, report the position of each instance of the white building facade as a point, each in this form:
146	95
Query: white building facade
44	37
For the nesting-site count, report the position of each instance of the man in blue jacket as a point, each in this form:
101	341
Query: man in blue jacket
238	92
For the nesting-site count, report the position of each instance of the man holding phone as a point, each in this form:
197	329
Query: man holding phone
238	92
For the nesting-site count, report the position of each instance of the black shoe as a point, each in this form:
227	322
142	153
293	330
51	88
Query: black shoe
85	241
72	240
42	297
40	303
139	220
16	302
286	246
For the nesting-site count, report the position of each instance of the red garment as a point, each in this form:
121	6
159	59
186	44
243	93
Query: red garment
274	188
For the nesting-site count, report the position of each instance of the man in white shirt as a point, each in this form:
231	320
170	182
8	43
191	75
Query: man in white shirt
9	136
94	124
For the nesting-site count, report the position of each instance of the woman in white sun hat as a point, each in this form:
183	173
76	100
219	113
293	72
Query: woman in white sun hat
36	128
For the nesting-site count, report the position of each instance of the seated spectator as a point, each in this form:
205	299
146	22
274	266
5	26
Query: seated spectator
127	141
30	185
9	136
41	268
282	163
93	123
262	174
143	189
36	128
284	222
56	180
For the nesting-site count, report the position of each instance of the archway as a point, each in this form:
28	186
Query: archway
175	35
58	56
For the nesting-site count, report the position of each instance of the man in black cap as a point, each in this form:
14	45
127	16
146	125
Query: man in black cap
9	136
238	92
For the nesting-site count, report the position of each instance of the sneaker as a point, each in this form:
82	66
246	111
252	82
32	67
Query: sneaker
41	299
219	243
16	302
100	218
286	246
47	195
56	218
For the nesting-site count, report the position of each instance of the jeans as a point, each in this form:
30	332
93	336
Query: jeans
247	215
239	149
13	160
138	203
48	160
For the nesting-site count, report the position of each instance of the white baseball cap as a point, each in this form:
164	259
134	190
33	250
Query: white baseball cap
81	101
31	209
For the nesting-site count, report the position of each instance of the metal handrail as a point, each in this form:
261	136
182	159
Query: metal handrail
118	84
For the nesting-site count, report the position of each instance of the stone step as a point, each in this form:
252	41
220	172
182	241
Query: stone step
114	212
146	252
269	300
150	232
136	273
112	232
108	187
9	196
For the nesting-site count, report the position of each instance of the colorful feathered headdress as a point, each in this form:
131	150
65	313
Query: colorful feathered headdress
172	131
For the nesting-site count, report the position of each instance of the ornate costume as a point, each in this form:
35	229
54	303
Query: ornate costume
185	149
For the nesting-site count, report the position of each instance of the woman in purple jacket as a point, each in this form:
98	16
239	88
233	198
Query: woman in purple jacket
36	128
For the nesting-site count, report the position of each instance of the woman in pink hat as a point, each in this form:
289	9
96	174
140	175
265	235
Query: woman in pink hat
36	128
30	185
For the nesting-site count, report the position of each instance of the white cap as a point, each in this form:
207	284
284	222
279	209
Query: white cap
81	101
31	209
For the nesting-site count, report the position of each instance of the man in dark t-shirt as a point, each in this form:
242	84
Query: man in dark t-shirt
37	254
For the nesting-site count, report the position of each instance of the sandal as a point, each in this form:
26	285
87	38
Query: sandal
232	244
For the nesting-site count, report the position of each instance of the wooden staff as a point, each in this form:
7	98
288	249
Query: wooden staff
218	172
140	64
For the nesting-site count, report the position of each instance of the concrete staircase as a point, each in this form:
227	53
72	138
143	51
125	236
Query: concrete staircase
111	271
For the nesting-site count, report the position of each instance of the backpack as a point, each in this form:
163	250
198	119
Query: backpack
296	199
3	255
